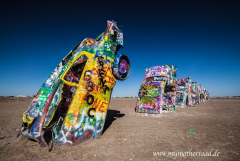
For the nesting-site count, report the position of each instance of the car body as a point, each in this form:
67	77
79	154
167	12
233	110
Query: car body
201	93
72	104
183	92
195	93
207	95
157	90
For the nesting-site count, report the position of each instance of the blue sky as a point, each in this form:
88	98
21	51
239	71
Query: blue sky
201	37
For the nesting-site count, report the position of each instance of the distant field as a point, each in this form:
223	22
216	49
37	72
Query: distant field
10	99
225	97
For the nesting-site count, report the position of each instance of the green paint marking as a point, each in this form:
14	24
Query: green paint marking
192	132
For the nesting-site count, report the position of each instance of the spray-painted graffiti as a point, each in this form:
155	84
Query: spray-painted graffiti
195	95
206	94
199	94
184	92
72	104
157	90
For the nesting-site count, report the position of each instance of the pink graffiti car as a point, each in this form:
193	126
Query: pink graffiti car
157	91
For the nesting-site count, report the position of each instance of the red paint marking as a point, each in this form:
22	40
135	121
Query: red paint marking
102	106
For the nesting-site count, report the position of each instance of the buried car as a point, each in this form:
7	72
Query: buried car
157	90
202	94
183	92
195	93
207	95
72	104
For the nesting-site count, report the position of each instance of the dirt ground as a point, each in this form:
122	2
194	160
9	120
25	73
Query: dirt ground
132	136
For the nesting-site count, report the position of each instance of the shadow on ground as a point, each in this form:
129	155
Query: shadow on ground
111	116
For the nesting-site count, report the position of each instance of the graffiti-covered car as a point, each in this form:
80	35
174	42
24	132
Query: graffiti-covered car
183	92
72	104
195	93
207	95
200	93
157	90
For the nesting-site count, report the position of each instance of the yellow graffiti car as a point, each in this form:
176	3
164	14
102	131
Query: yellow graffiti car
72	104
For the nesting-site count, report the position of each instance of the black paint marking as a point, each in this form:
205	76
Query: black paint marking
90	99
89	112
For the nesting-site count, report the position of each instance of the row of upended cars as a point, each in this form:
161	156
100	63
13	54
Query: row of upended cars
161	91
71	106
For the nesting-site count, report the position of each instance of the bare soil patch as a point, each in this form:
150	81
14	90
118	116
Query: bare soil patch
131	136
